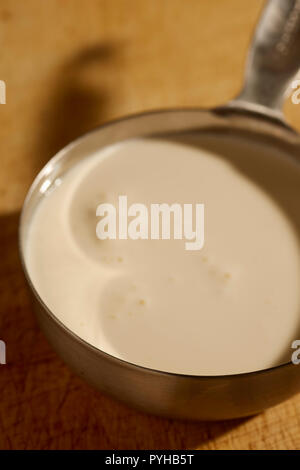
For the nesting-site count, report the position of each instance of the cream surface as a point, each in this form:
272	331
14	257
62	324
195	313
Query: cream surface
232	307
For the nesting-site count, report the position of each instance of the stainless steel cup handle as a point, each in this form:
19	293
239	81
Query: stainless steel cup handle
274	57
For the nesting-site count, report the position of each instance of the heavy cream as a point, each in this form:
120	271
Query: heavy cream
231	307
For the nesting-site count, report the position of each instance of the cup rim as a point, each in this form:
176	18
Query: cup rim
60	155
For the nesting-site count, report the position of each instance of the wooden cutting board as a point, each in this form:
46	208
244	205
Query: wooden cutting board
69	66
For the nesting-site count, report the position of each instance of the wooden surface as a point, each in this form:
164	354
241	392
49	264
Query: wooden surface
70	65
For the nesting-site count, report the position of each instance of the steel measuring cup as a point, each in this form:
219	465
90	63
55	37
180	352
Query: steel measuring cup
273	60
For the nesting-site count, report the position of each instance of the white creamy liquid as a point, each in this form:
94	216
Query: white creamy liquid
232	307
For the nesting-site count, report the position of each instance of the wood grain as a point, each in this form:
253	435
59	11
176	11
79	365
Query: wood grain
69	66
